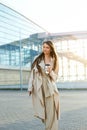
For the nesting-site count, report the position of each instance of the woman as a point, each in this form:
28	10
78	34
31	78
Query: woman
45	96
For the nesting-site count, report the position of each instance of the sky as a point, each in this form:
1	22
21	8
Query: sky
56	16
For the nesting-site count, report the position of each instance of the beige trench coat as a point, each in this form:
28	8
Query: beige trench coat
35	83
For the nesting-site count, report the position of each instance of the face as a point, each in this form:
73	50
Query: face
46	49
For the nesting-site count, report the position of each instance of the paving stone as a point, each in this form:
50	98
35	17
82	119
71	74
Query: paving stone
16	111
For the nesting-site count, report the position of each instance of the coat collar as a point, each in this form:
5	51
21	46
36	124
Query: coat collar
42	64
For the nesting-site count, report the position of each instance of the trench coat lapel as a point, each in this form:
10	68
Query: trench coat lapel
42	64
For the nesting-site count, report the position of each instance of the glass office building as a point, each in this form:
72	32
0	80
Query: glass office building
73	58
19	43
15	36
21	39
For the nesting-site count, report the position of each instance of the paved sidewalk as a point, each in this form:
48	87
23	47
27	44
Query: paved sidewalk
16	111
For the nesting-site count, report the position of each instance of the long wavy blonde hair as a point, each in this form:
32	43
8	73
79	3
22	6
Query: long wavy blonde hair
53	54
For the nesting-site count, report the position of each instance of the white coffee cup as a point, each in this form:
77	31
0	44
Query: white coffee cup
46	68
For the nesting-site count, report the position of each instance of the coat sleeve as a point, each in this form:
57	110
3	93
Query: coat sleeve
54	73
30	85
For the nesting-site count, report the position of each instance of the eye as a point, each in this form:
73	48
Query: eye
44	47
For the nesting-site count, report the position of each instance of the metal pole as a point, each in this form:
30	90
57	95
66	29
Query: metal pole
20	58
